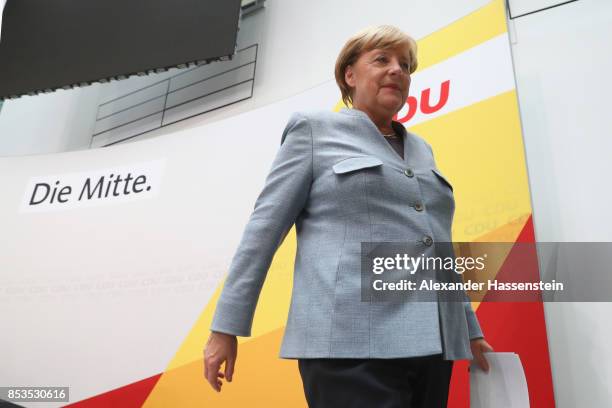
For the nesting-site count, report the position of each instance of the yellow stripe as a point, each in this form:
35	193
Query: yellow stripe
471	30
275	295
484	161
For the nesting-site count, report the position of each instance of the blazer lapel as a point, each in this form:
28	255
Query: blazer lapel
374	136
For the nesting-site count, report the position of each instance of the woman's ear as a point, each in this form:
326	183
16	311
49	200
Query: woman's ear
349	76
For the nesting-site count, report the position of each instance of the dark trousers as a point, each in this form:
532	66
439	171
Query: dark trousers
376	383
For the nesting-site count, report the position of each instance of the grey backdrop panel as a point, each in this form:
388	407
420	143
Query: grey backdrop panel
51	44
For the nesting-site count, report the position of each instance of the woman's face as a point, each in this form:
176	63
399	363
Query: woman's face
380	80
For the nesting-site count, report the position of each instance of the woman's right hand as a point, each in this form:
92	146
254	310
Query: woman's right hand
220	347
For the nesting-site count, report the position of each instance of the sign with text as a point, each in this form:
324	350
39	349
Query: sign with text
98	187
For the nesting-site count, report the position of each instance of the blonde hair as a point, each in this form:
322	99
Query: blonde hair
373	37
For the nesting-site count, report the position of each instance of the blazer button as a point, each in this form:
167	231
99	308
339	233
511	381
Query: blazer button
418	207
427	240
409	172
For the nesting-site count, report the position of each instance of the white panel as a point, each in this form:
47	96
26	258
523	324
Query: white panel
519	7
479	73
94	187
187	87
130	115
115	88
132	99
207	86
123	132
206	71
54	122
562	62
210	102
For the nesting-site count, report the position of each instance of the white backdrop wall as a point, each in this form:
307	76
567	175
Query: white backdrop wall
49	123
71	310
562	64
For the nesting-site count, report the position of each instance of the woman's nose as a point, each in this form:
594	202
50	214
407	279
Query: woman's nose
395	67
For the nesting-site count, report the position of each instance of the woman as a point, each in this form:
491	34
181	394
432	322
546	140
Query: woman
346	178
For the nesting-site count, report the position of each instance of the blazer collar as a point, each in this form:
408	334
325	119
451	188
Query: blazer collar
397	126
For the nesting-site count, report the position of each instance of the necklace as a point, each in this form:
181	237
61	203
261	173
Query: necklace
390	135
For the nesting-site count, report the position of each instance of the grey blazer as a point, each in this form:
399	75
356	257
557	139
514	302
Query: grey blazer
341	183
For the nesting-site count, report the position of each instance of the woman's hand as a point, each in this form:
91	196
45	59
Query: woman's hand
479	347
220	347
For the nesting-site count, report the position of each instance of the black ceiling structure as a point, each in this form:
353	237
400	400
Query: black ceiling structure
51	44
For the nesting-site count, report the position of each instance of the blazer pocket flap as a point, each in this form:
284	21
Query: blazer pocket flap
437	173
356	163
